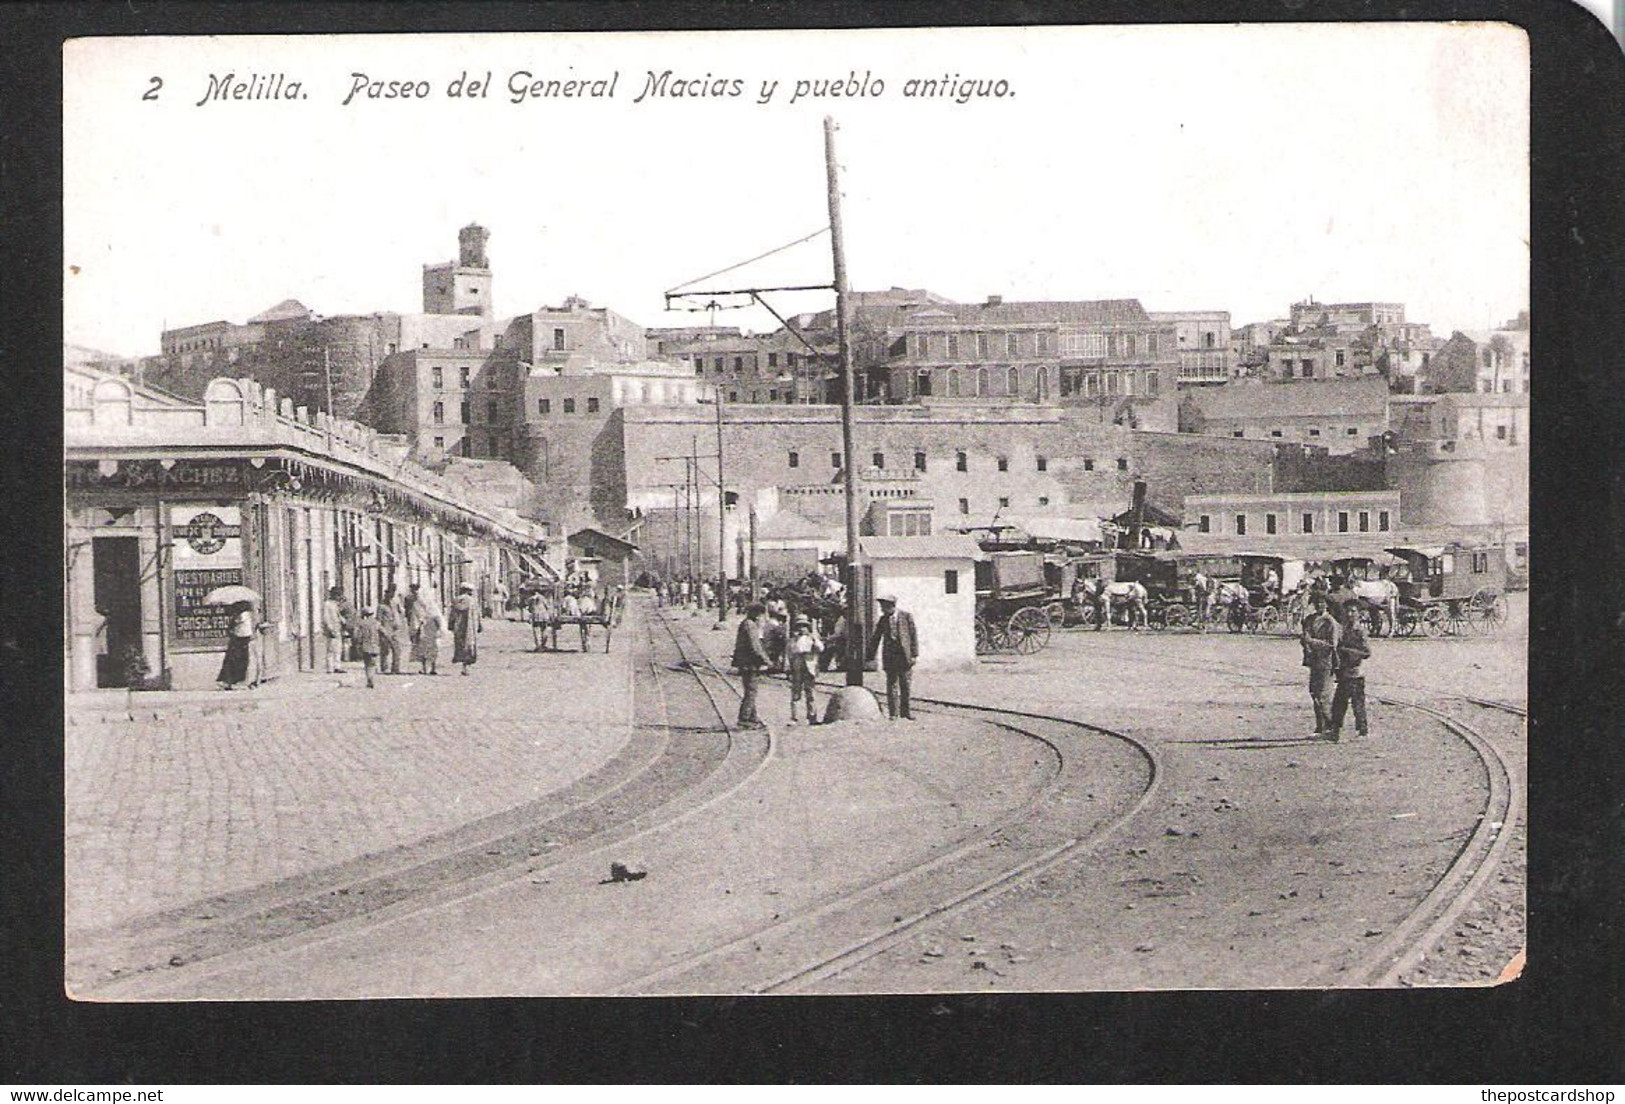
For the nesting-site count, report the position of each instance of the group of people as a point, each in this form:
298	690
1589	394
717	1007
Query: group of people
684	592
400	626
895	641
1334	647
546	608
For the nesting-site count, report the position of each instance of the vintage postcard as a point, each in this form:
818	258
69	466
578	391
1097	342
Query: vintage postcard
767	512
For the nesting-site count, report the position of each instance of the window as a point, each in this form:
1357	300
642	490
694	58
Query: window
558	338
1481	562
1382	521
440	442
439	413
1307	367
1153	383
1082	344
1314	433
739	365
950	581
1204	524
1340	358
466	447
1003	502
1342	521
491	410
1012	383
1275	433
1004	463
1043	500
1365	521
879	460
772	360
922	345
961	462
439	376
953	383
592	403
1500	433
795	459
465	413
1241	525
1151	344
733	395
1308	523
953	346
834	459
1088	464
462	377
459	343
919	461
981	381
1122	464
719	363
1237	433
1111	383
1012	344
964	505
569	406
1269	524
1128	345
1043	463
544	406
1043	342
981	346
699	365
1111	345
772	394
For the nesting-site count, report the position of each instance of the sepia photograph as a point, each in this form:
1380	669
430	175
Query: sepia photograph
861	512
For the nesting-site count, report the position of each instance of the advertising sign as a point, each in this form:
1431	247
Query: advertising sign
207	537
198	626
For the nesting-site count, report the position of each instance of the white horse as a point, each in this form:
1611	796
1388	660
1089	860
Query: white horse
1132	594
1380	594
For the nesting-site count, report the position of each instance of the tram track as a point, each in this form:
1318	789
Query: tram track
1474	862
838	932
683	756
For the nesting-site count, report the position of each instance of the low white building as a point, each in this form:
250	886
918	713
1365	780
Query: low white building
934	579
1312	515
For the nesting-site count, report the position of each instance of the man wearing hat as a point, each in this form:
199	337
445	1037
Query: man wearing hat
803	648
749	659
899	647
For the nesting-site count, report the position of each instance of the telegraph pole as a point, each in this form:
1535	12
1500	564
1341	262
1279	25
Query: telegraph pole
854	627
722	527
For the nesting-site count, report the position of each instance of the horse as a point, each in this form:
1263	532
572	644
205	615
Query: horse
1378	595
1133	594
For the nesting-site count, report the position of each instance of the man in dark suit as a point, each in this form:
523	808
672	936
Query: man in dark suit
749	659
899	647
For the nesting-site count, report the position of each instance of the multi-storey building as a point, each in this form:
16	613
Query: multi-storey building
1503	361
1203	342
1340	416
1345	317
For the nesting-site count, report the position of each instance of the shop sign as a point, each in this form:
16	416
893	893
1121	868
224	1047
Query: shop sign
197	625
179	475
207	536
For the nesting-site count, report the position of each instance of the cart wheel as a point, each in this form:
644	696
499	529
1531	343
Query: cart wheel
1177	615
1056	612
1086	615
1433	621
1028	630
1268	619
984	637
1458	617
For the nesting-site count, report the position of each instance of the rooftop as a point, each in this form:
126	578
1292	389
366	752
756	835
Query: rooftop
1317	398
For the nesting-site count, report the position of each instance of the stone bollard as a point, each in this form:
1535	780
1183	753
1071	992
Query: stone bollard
852	703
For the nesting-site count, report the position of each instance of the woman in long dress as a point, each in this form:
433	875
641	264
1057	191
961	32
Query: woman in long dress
234	669
465	625
426	639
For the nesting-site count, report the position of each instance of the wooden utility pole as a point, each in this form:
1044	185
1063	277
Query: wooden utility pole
722	525
854	625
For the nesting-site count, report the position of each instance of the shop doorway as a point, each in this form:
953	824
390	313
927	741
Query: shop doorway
116	567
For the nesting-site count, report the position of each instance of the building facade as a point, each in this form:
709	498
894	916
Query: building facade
1312	516
1340	416
167	500
1203	341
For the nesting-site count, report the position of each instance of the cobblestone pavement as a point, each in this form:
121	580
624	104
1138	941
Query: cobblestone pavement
206	798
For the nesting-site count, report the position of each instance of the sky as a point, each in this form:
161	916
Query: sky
1239	168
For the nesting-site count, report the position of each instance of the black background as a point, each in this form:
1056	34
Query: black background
1560	1023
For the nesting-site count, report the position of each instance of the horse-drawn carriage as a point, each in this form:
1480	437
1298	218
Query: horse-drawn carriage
548	604
1269	593
1015	605
1168	584
1447	590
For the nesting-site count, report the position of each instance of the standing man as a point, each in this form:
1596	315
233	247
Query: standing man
1352	650
1320	638
1202	591
899	647
368	641
391	631
333	628
749	659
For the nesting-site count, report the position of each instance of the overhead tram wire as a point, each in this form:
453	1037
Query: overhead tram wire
677	291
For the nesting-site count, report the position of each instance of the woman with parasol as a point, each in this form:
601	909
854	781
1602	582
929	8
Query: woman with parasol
239	602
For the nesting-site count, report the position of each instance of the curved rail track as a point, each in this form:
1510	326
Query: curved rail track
842	930
683	756
1474	862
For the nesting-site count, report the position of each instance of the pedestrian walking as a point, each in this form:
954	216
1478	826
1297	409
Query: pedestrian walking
465	627
1202	587
368	641
239	632
1353	649
749	659
1320	637
334	626
898	645
804	650
426	644
391	632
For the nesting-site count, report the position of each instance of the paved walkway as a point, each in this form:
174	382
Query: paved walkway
202	794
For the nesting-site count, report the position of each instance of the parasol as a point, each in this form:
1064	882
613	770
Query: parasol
229	595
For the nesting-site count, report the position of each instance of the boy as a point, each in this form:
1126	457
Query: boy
804	648
367	643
